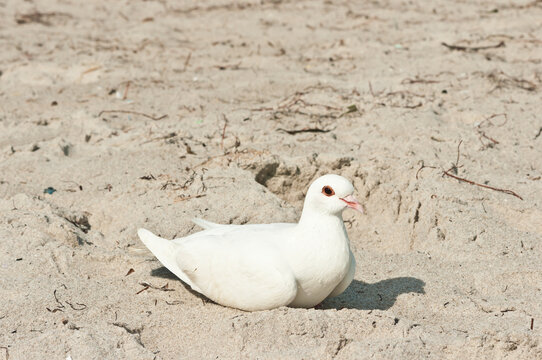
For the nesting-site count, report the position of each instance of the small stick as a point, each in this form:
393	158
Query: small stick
473	49
456	166
56	299
133	112
532	325
145	288
483	134
90	70
410	106
184	198
223	131
306	130
175	302
228	66
417	80
457	160
126	90
168	136
187	61
83	306
509	192
162	288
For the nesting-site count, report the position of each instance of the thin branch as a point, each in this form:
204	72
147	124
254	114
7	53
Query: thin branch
483	135
455	167
223	131
306	130
457	159
418	80
473	48
187	61
133	112
81	306
509	192
126	90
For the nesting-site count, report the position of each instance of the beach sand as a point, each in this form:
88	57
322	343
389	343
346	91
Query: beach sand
120	115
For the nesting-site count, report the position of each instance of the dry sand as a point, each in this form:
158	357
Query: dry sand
446	269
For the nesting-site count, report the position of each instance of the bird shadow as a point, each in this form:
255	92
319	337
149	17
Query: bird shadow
378	296
359	295
164	273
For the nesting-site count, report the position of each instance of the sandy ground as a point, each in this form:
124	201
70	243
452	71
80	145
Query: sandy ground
148	113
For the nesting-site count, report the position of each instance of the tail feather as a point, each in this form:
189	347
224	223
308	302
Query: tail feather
164	250
205	224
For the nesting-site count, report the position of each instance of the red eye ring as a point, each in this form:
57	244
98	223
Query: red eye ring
328	191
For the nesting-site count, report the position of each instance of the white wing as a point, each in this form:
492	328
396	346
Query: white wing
237	267
207	225
234	265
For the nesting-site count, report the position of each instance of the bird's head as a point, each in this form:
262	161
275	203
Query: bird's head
331	194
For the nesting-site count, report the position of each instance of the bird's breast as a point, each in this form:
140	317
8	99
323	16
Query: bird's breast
320	268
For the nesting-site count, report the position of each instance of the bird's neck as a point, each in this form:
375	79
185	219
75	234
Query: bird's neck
313	220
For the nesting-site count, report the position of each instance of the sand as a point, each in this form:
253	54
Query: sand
148	113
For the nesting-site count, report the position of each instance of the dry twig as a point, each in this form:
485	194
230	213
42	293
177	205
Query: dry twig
418	80
38	17
454	169
144	288
456	166
473	48
223	131
184	198
161	288
510	192
133	112
164	137
187	61
82	306
286	104
501	79
482	134
305	130
126	90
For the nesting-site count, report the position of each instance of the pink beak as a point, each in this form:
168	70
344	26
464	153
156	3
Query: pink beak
352	203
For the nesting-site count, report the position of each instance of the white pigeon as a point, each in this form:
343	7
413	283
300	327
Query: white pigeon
264	266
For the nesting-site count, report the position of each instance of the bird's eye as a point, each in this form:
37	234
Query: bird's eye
328	191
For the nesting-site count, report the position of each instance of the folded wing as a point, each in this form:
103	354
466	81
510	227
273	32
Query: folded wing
236	269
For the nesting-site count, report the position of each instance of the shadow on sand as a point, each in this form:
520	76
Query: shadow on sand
164	273
378	296
359	295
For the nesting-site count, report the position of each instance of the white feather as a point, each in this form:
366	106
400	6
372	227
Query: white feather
204	224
